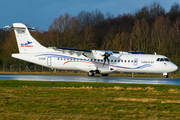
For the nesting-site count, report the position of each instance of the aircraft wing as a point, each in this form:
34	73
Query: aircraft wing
136	52
71	51
92	54
74	49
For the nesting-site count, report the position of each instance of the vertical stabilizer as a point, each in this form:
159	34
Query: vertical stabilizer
26	43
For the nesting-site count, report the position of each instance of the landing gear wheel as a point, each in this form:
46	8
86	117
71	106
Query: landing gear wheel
166	76
90	73
105	74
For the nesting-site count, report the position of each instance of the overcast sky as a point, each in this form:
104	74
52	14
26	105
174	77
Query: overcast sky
41	13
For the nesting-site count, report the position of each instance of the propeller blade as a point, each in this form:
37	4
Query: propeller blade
108	47
136	49
104	61
105	48
108	60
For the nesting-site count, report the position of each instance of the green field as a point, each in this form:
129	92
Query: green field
78	100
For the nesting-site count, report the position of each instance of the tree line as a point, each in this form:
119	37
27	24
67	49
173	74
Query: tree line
150	29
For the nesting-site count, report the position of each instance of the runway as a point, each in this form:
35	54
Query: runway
73	78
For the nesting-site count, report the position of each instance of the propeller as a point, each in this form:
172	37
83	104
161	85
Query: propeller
136	49
106	55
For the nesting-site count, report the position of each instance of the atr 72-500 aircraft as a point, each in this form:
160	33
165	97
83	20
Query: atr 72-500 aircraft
90	61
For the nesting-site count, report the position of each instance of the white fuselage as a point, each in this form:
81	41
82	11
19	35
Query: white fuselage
119	62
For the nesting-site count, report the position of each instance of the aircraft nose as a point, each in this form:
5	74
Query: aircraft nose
174	67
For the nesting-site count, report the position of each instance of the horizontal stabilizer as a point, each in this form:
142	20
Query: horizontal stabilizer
9	27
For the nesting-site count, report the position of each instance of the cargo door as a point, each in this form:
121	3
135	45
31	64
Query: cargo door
49	61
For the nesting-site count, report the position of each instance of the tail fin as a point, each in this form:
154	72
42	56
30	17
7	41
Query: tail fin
26	43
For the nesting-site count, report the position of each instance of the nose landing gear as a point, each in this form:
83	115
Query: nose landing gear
165	75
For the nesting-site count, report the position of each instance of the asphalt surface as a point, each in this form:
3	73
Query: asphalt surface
136	80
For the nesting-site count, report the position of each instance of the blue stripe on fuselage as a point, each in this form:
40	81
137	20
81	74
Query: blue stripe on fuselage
93	62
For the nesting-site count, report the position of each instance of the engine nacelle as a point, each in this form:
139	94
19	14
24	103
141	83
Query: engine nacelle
95	54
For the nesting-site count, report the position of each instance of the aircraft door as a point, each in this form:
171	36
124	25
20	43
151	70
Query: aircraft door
49	61
135	62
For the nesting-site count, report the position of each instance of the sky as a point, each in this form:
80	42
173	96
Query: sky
41	13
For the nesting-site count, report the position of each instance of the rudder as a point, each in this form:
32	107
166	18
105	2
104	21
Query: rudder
26	43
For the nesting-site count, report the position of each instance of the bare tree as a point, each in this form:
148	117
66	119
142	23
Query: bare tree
141	31
160	34
65	29
156	10
174	12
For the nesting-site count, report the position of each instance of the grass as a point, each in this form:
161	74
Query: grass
78	100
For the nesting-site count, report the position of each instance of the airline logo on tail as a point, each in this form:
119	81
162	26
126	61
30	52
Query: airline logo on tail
28	44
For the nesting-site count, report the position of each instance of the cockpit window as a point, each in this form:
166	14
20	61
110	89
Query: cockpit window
166	59
162	59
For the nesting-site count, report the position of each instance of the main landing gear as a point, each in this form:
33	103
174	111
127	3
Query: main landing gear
92	73
105	74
